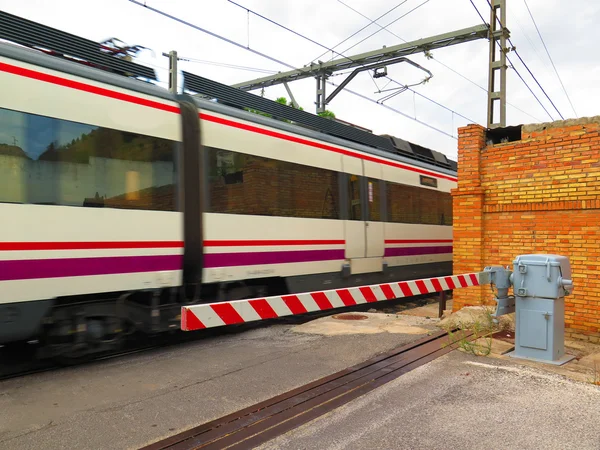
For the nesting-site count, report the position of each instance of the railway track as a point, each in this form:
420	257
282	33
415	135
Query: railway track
14	368
266	420
23	366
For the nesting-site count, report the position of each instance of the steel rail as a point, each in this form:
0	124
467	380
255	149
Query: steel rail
266	420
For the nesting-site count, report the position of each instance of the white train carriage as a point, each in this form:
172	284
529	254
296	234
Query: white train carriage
120	202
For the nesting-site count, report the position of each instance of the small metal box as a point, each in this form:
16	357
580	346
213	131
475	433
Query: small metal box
542	276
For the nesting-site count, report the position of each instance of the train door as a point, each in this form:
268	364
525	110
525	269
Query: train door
363	222
374	209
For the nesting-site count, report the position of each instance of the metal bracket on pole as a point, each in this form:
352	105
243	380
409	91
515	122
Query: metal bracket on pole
321	84
379	55
497	68
289	91
373	66
172	70
384	56
373	60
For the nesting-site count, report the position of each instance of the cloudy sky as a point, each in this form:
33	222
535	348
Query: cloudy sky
569	29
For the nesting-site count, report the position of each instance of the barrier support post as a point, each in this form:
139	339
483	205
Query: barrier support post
442	303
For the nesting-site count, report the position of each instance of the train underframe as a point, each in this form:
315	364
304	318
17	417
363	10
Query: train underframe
72	329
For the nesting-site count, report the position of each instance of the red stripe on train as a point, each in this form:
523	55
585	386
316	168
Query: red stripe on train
29	246
40	76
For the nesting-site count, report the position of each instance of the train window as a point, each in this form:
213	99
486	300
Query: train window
410	204
44	160
247	184
354	200
374	199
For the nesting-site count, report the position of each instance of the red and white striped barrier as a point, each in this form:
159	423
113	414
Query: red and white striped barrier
197	317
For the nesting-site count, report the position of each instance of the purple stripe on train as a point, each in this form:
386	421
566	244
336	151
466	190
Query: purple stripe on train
415	251
29	269
78	267
255	258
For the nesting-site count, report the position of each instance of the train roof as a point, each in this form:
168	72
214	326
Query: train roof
218	97
236	98
308	132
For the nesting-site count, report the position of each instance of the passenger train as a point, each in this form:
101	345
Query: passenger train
121	202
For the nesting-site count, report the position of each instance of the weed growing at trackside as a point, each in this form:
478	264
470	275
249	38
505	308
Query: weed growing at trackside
481	329
595	379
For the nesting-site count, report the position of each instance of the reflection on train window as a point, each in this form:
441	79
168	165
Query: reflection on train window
410	204
354	203
248	184
374	199
44	160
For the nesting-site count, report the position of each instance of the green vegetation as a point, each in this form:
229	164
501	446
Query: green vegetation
327	114
481	329
284	101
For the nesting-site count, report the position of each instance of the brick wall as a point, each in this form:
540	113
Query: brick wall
540	194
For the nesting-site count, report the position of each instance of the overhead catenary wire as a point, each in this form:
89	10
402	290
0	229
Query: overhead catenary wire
363	28
523	32
510	62
229	66
349	58
391	23
237	44
397	111
374	21
550	57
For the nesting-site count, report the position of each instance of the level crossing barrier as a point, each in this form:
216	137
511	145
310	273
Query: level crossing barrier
209	315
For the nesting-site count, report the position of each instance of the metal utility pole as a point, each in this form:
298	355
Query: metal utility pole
321	91
172	70
372	60
497	73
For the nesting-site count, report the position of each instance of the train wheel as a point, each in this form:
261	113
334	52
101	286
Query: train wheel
89	338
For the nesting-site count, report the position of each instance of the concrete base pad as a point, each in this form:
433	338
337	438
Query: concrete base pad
559	362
